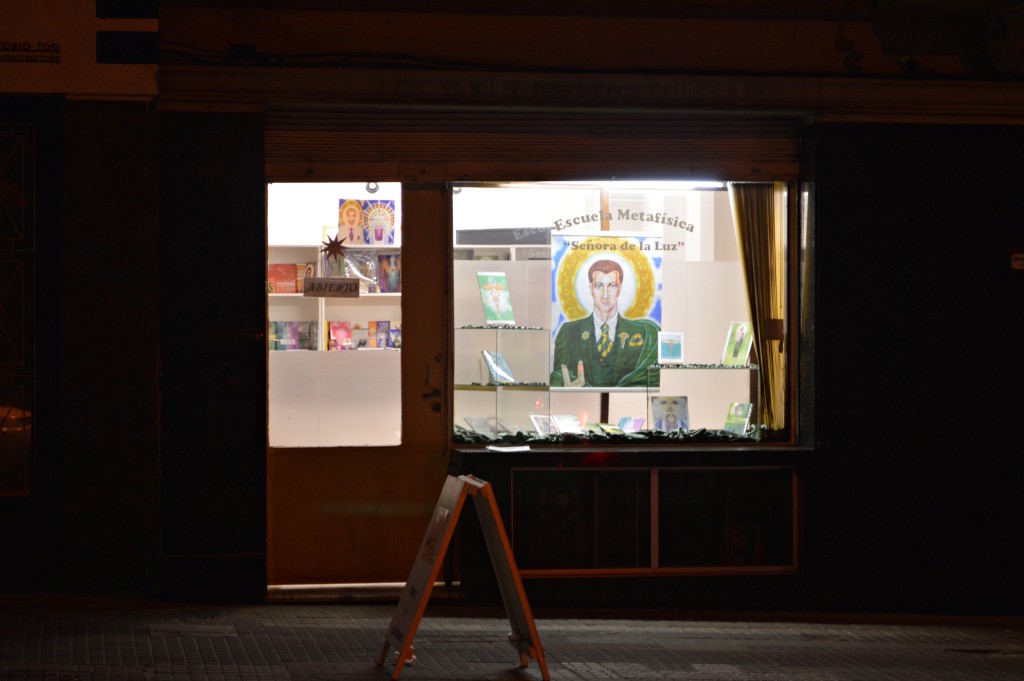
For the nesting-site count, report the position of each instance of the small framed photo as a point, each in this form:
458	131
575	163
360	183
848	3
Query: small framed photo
670	413
737	344
542	424
670	347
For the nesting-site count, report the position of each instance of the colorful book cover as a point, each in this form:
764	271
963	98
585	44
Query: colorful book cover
308	332
670	413
497	367
339	335
737	344
293	335
281	277
389	273
273	340
670	347
496	298
379	221
395	334
302	271
360	335
351	222
737	419
284	336
377	333
368	221
631	424
611	429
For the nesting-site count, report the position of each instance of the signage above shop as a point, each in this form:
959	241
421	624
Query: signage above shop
72	50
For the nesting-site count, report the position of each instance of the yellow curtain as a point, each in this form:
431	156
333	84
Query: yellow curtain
759	213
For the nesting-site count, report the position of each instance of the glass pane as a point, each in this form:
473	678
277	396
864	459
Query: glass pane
540	268
334	314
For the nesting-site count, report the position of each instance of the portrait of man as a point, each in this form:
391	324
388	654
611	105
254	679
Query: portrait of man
604	348
350	222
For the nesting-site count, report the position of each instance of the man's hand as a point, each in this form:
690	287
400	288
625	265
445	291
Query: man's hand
580	378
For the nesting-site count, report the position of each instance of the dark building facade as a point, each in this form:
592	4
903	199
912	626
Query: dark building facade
146	348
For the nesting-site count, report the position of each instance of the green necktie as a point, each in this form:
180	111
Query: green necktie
604	346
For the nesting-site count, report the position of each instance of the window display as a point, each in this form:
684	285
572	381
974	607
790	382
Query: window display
319	232
599	285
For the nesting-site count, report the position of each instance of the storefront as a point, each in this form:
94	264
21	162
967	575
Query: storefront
362	438
359	441
660	507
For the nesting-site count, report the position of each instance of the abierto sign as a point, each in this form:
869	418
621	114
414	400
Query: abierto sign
330	287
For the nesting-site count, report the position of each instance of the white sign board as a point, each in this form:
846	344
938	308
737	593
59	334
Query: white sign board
330	287
50	48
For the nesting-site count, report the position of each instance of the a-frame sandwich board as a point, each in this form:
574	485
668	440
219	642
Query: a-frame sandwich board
427	565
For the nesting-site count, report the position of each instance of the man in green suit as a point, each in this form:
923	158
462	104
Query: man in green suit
605	349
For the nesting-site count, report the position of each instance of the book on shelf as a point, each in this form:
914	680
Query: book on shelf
395	334
360	335
281	277
670	413
351	222
380	221
497	367
670	347
389	273
631	424
542	424
302	272
497	300
566	423
339	335
377	332
737	419
610	428
332	266
737	344
292	335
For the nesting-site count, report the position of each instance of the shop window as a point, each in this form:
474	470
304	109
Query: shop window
612	310
334	314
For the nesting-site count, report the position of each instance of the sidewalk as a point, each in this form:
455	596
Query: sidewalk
67	639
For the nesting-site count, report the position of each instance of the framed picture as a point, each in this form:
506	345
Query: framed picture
670	413
605	310
670	347
542	424
737	344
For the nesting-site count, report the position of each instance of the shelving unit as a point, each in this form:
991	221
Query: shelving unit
505	406
296	307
